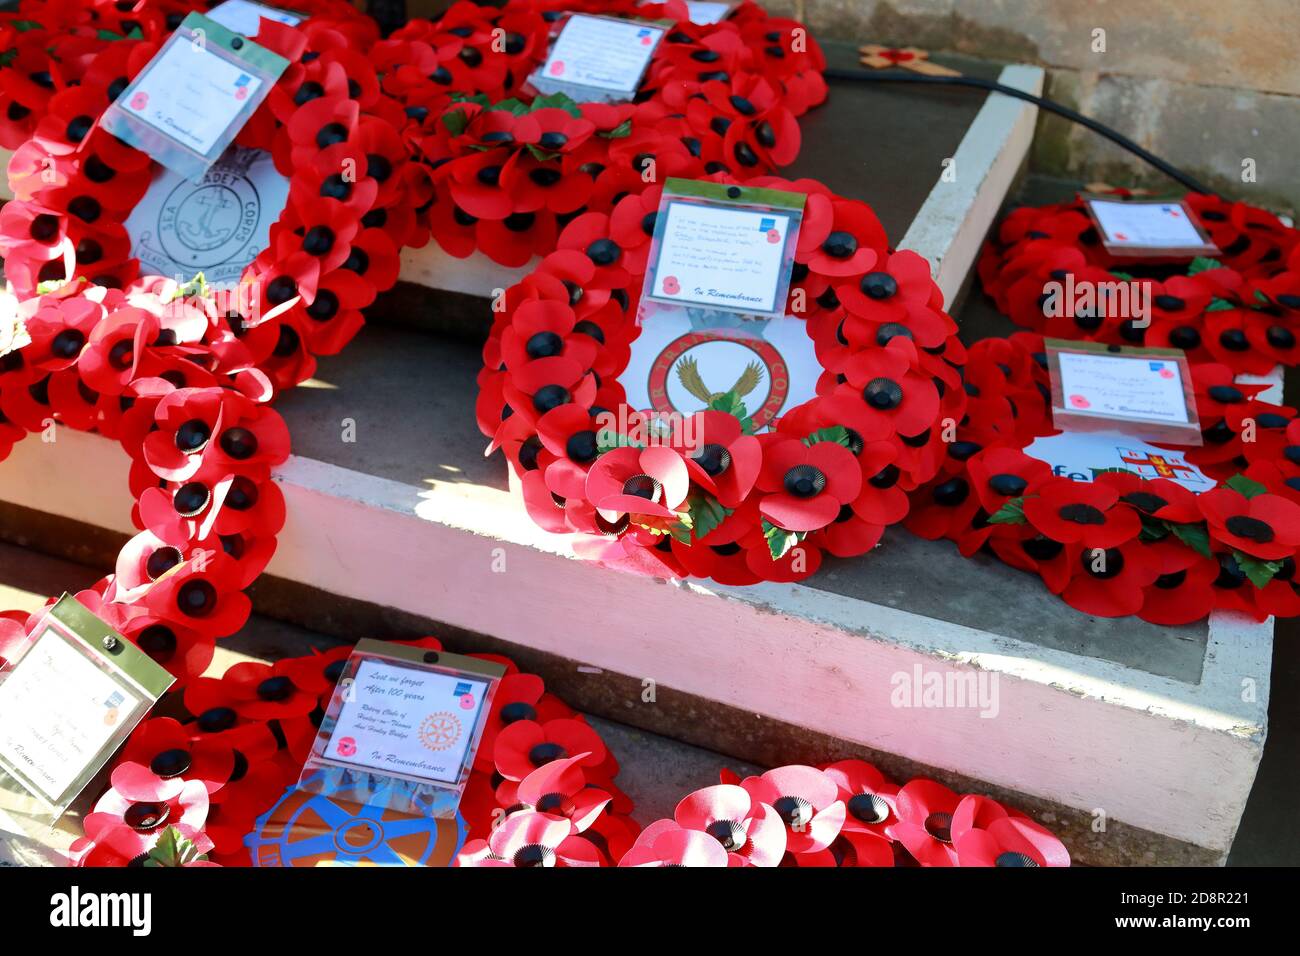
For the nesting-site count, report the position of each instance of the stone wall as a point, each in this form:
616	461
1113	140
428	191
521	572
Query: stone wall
1210	85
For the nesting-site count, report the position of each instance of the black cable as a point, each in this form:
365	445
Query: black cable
1119	139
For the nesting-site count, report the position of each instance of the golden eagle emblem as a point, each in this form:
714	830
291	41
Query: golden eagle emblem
688	373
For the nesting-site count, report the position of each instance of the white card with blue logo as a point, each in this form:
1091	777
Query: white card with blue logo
191	97
720	256
1140	227
407	721
601	53
1123	387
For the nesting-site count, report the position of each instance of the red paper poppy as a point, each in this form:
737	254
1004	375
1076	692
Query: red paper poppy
751	832
1083	513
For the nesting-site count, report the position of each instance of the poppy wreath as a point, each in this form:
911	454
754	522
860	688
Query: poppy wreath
1241	309
842	814
189	789
715	499
179	375
1122	544
506	174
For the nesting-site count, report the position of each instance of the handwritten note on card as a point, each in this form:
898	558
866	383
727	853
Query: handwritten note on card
58	709
1130	388
602	53
192	95
1139	226
407	721
720	256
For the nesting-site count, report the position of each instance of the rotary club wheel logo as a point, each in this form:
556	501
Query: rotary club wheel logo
312	829
439	731
762	383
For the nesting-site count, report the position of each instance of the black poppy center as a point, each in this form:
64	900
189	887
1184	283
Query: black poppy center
517	710
1103	564
729	833
840	245
1009	485
878	285
1080	513
797	812
533	855
1013	858
1252	529
68	343
143	817
939	826
868	807
171	763
604	252
161	561
192	435
216	719
544	753
1144	501
581	446
196	598
804	481
642	486
550	396
714	459
544	345
275	688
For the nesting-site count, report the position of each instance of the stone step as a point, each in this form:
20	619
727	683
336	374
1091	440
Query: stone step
656	772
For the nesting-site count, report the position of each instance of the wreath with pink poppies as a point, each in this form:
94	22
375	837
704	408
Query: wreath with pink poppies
1124	544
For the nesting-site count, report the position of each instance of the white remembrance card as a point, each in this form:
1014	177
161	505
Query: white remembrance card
720	256
58	710
407	721
191	95
242	16
1139	226
216	226
1126	388
704	12
605	54
1079	456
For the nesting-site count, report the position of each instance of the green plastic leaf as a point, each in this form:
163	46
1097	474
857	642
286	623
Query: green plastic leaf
1246	486
456	121
620	131
1124	276
705	513
608	440
730	403
1012	512
1153	529
780	541
835	433
173	849
1203	264
558	101
1195	536
1259	572
25	26
1219	305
